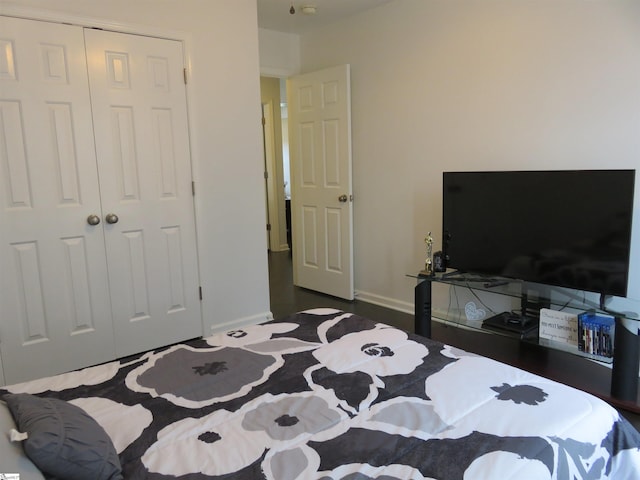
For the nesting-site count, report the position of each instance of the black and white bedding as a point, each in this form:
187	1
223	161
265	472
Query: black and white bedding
325	395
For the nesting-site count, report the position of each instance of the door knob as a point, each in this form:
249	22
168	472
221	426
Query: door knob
343	198
111	218
93	219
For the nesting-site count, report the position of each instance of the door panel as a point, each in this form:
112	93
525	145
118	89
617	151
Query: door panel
54	300
309	244
334	239
139	103
322	212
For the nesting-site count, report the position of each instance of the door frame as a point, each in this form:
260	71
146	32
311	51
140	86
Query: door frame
271	178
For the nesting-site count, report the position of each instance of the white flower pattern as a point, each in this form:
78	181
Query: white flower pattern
283	423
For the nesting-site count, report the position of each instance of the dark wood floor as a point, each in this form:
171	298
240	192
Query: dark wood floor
287	299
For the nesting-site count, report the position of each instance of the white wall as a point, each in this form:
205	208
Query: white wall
224	103
279	53
458	85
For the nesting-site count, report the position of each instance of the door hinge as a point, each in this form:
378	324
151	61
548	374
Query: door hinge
268	227
266	175
193	188
264	121
184	73
200	293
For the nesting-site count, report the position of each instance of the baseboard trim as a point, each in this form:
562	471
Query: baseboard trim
390	303
241	322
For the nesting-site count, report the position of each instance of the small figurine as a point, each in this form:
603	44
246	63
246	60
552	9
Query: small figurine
428	265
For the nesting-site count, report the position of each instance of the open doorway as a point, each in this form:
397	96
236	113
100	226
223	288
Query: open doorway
284	297
321	178
276	151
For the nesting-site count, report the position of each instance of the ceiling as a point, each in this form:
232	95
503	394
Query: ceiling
274	14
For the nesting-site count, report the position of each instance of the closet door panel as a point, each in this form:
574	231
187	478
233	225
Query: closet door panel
142	138
55	312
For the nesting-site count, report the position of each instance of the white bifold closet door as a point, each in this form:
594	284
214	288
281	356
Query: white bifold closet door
76	146
144	164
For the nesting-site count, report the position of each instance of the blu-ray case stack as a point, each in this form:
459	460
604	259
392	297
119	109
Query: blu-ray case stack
596	332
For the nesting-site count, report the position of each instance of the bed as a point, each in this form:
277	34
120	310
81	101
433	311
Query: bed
322	394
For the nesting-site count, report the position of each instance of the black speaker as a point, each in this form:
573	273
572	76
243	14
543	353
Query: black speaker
624	376
439	263
422	308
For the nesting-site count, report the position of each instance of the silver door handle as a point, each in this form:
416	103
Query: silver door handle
111	218
93	219
343	199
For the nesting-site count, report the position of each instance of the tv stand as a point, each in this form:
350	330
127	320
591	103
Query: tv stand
516	340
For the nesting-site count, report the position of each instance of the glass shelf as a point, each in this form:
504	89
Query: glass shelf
562	299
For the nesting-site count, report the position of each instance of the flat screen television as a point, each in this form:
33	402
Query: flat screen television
564	228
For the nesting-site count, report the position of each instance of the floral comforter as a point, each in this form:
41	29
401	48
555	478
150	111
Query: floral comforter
326	395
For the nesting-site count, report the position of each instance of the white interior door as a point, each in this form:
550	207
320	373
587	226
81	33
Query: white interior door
321	196
54	298
140	121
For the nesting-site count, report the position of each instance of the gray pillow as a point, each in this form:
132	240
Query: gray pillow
64	441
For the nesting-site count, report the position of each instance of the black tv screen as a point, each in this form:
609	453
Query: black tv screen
565	228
